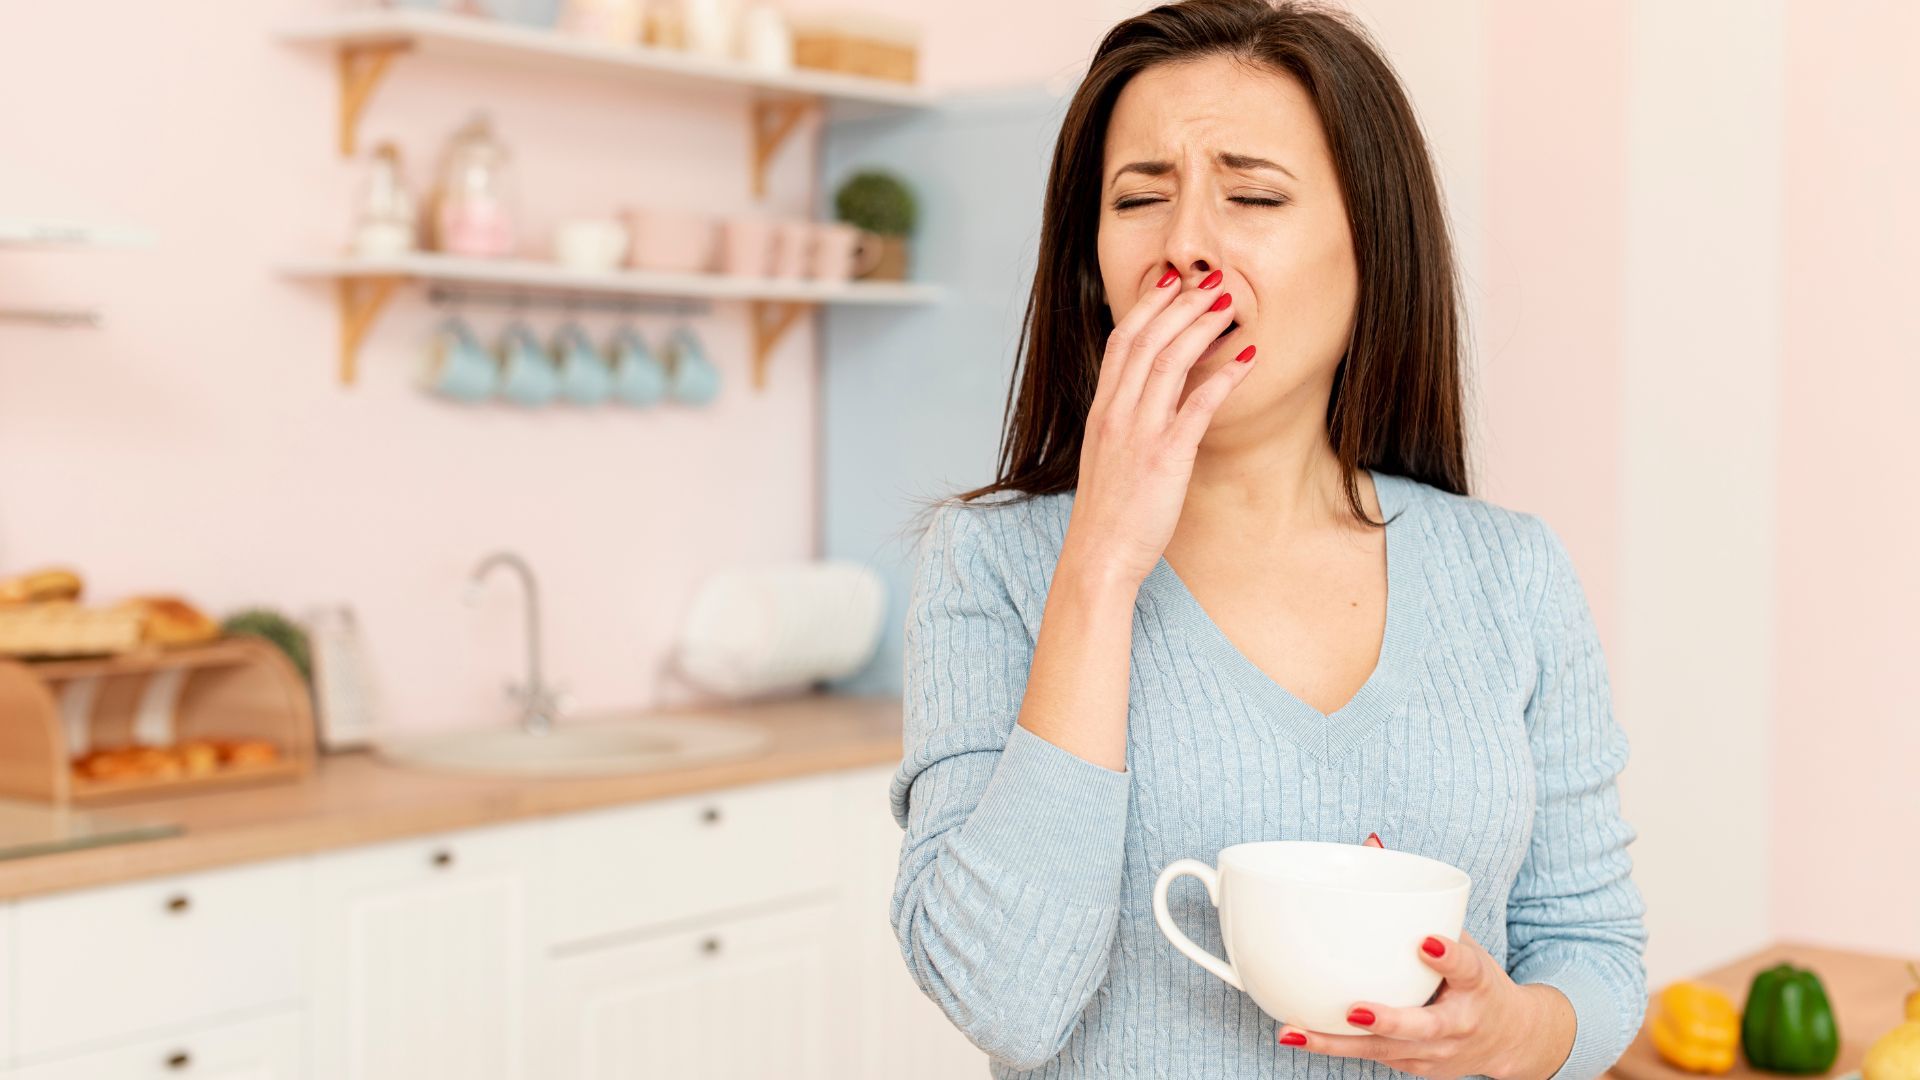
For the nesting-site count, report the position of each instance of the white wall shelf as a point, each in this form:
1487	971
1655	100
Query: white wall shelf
365	285
55	235
20	234
367	43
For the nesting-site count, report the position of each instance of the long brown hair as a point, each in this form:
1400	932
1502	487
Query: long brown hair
1396	404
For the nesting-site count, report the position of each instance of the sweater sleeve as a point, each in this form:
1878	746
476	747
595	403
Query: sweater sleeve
1575	917
1007	898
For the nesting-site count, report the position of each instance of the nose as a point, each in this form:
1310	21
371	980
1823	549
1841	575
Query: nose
1193	243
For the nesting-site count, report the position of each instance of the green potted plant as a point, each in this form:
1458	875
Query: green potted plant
290	636
879	204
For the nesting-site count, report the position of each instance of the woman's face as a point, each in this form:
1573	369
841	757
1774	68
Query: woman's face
1187	182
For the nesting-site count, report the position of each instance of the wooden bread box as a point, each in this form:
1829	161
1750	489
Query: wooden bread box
242	714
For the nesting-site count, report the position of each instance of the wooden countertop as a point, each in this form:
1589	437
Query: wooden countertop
356	798
1867	992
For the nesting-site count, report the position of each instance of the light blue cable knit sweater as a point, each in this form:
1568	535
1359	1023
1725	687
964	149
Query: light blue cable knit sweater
1485	737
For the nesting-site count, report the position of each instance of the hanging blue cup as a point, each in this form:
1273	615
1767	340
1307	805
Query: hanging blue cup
585	378
458	367
528	376
694	379
639	378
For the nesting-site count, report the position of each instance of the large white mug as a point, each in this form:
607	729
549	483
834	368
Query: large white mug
1311	927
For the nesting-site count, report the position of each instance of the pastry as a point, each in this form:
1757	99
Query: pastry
198	757
172	621
40	586
241	752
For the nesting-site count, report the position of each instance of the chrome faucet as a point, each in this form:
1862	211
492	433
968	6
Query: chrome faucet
540	704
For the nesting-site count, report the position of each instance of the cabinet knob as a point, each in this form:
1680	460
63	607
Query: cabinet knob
179	1059
711	815
711	946
178	904
443	858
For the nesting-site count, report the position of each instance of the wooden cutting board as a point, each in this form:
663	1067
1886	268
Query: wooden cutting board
1866	990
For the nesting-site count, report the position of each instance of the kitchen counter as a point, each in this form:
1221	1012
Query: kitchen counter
357	798
1867	992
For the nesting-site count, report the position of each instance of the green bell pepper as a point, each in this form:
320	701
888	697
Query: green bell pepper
1787	1025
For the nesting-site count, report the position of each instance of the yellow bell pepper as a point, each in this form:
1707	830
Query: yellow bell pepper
1896	1055
1696	1028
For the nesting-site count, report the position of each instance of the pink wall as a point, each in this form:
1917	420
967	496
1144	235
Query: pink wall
200	443
1847	807
1840	792
1550	372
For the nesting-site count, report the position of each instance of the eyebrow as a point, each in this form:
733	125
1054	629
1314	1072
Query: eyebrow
1229	159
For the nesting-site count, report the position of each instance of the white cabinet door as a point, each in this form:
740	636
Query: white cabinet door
743	999
887	1026
420	957
654	865
261	1049
96	967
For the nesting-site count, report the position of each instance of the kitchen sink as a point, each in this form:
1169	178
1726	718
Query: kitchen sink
624	743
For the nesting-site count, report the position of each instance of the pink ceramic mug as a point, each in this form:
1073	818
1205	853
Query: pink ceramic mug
670	240
793	248
842	251
746	246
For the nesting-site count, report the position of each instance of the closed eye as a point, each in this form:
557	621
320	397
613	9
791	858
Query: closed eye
1245	200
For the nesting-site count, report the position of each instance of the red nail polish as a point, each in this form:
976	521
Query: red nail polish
1221	304
1375	837
1434	947
1293	1038
1360	1017
1167	279
1246	354
1211	280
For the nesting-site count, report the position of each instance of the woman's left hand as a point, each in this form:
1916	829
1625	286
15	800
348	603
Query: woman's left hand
1480	1023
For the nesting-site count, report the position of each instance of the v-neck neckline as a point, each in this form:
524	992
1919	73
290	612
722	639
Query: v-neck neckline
1328	735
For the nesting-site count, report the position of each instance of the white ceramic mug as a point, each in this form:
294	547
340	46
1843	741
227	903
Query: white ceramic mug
765	42
590	245
1311	927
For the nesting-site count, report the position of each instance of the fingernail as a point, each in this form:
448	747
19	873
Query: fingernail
1375	837
1293	1038
1167	279
1246	354
1361	1018
1434	947
1211	280
1221	304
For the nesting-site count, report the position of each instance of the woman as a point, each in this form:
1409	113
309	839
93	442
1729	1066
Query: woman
1229	585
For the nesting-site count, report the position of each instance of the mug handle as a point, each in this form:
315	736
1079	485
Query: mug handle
1195	953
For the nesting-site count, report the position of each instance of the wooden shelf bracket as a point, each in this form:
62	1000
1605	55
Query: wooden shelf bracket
360	302
773	121
771	320
362	66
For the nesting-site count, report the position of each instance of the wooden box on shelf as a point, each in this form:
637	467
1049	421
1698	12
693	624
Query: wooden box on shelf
236	697
855	45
